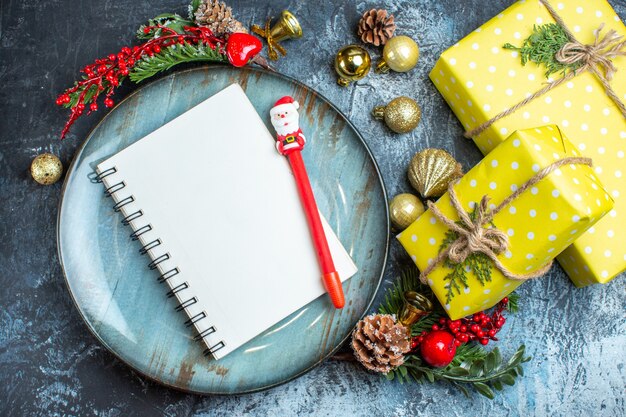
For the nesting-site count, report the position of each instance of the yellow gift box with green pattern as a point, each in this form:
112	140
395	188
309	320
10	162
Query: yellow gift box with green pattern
480	79
540	223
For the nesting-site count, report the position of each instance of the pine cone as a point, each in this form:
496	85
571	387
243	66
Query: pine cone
379	343
376	27
218	17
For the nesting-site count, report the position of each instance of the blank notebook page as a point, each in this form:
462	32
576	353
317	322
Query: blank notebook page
225	207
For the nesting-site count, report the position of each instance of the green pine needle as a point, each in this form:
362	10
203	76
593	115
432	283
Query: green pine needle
478	263
193	6
169	20
174	55
513	305
541	47
472	366
484	371
408	281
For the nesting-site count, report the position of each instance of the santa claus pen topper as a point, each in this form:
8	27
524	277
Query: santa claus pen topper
289	142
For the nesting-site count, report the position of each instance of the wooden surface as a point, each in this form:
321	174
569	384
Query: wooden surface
51	365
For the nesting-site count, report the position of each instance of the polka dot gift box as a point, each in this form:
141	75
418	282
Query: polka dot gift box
480	79
540	223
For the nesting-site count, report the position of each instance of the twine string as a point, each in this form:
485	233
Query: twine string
596	58
473	237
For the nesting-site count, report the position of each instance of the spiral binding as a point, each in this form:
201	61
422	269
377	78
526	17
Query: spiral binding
139	231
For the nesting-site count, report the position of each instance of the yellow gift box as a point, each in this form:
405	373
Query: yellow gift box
480	79
541	222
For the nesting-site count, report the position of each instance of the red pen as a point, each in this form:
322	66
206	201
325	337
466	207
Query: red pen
289	142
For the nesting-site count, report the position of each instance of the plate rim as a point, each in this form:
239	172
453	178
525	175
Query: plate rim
70	171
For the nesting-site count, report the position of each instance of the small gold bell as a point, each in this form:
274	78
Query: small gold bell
352	63
416	306
287	27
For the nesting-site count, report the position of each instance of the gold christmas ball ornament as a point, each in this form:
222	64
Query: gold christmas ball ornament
352	63
404	209
46	169
401	115
400	54
431	170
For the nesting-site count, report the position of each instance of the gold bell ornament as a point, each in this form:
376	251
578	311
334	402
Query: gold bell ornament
404	209
46	169
352	63
400	54
287	27
415	307
401	115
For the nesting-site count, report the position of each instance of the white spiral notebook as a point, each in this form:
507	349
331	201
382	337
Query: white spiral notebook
217	210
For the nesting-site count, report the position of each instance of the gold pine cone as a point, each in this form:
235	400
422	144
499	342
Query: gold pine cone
376	27
218	17
380	343
431	170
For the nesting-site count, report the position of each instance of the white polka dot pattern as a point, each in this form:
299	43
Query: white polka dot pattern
538	224
580	107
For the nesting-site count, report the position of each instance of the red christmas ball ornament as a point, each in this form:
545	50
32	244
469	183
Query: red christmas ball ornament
241	48
438	348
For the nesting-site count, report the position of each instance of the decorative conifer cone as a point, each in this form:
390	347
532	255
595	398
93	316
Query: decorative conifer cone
380	343
218	17
376	27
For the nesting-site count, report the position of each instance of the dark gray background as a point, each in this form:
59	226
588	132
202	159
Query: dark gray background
51	365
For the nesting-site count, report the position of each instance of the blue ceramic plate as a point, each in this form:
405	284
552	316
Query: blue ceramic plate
132	316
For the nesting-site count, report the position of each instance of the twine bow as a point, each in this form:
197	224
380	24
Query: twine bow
596	58
598	55
272	45
474	237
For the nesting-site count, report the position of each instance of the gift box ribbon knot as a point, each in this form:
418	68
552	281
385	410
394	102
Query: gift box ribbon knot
596	58
471	235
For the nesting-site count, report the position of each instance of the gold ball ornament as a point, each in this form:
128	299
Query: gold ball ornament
46	169
401	115
431	171
404	209
400	54
352	63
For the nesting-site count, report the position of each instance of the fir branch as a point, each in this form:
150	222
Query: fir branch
472	366
478	263
193	6
408	281
457	274
468	352
513	305
174	55
541	47
156	26
481	370
88	91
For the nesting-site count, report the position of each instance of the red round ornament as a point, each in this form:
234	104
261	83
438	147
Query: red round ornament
438	348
